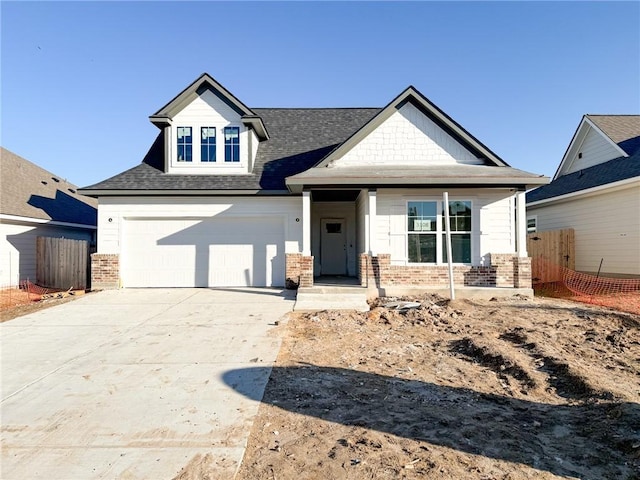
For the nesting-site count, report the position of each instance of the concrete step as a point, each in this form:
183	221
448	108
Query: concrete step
331	298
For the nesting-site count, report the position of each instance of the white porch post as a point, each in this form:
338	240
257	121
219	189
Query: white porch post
371	233
306	223
521	224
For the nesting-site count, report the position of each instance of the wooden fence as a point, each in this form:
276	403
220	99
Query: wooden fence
62	263
548	251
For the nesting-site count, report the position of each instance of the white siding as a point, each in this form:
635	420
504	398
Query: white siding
320	210
595	149
493	218
208	110
607	225
113	210
18	248
408	137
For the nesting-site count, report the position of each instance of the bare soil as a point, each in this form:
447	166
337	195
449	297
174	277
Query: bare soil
31	305
504	389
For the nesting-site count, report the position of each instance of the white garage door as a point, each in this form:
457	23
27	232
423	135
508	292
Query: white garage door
220	252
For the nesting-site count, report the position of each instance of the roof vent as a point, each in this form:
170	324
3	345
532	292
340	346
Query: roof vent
579	154
44	182
57	180
71	190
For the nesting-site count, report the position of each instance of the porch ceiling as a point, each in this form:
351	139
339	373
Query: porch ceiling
335	195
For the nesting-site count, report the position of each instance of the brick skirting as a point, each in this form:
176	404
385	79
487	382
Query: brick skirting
298	270
105	271
506	270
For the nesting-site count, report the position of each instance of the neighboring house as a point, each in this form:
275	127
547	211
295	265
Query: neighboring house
33	203
596	191
233	196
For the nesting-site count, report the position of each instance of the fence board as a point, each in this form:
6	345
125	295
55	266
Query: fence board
549	250
62	263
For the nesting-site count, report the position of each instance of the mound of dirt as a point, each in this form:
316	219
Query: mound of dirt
509	389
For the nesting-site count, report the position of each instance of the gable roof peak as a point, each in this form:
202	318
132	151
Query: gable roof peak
163	117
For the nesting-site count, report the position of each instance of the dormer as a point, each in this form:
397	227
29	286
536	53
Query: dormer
207	130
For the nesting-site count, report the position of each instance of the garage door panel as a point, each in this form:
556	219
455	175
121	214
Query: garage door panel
204	253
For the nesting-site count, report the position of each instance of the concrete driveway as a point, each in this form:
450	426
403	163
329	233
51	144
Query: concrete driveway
127	384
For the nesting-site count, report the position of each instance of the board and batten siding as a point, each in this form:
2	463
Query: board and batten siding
18	248
595	149
408	137
606	225
208	110
493	220
113	212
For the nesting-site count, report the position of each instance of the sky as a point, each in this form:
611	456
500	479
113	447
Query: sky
80	79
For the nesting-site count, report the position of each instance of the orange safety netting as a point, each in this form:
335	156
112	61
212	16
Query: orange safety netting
557	281
26	292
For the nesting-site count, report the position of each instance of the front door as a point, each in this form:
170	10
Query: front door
333	246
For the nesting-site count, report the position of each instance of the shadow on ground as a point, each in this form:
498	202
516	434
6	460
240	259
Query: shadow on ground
566	440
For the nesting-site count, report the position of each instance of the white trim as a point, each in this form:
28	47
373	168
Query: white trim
39	221
535	220
521	223
589	191
306	223
373	223
581	132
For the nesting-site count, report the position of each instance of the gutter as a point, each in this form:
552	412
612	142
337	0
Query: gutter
41	221
587	191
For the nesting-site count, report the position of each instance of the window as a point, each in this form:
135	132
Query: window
460	227
426	231
208	144
185	144
231	144
532	224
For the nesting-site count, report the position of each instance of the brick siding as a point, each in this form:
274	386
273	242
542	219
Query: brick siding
506	270
105	271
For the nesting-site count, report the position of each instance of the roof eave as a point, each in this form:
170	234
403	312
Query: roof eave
297	183
104	192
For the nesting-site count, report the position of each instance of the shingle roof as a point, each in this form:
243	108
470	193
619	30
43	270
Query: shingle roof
623	130
27	190
299	138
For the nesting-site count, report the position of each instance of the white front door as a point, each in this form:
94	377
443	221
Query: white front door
333	246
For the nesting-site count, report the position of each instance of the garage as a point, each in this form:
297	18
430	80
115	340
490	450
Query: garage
203	252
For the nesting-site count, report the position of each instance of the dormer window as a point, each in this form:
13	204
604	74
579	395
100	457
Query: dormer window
185	144
208	144
231	144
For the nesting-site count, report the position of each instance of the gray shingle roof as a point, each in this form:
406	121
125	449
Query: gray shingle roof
27	190
299	138
624	130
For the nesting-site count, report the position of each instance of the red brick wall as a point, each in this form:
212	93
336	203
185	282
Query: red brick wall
105	271
298	270
506	270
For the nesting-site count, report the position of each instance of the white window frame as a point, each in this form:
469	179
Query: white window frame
196	162
440	230
535	224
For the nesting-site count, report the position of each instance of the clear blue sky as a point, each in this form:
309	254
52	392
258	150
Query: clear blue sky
80	79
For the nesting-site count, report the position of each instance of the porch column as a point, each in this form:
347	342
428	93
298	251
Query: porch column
521	223
306	223
372	197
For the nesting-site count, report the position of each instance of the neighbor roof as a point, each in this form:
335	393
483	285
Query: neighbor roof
27	190
623	130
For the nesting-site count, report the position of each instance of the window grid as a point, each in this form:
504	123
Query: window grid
185	144
231	144
426	237
208	144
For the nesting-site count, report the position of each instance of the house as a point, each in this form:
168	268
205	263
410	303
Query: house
230	196
33	203
596	191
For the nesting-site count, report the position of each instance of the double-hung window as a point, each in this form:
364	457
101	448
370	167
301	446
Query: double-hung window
185	144
231	144
208	144
426	239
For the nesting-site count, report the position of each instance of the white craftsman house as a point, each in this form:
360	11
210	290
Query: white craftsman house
234	196
596	191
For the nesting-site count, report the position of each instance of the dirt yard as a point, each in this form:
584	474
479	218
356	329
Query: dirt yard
504	389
